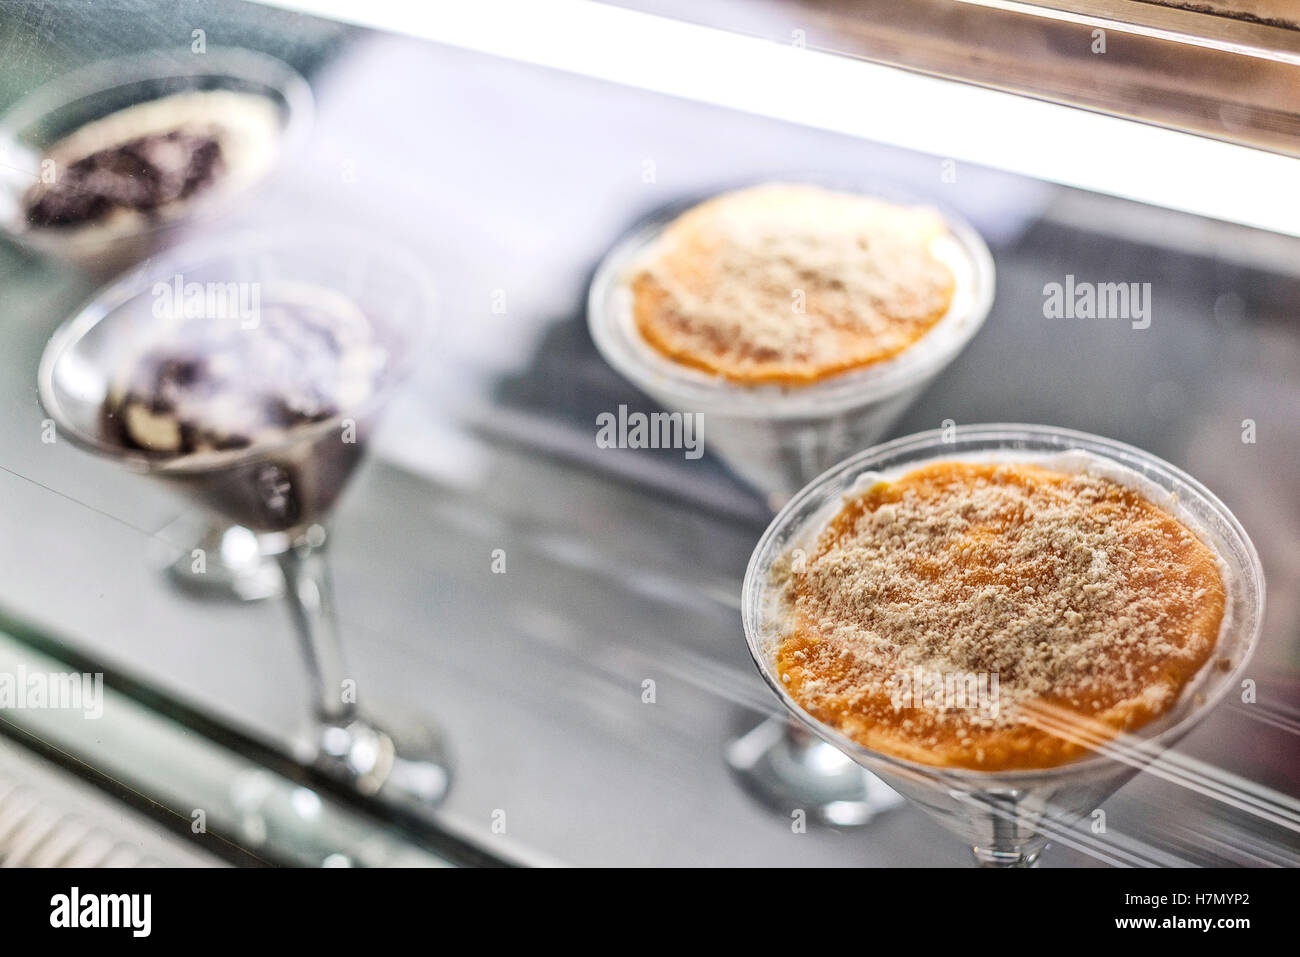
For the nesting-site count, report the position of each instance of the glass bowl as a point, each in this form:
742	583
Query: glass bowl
778	438
389	285
1007	816
53	111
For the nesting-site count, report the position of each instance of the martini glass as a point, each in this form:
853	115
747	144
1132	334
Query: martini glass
69	102
238	564
1008	817
280	487
777	439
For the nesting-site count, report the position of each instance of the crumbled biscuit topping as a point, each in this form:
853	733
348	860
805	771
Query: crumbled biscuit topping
789	282
1071	588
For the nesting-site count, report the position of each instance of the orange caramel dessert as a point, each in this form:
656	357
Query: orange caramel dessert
1083	608
791	284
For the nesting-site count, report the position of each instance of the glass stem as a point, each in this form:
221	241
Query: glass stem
1010	845
307	588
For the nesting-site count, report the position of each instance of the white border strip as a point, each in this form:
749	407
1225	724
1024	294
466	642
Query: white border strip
947	119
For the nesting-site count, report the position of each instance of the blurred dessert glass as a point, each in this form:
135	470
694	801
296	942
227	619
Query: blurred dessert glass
98	167
102	166
248	374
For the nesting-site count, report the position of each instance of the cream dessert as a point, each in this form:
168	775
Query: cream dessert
211	384
791	284
198	390
148	163
1088	605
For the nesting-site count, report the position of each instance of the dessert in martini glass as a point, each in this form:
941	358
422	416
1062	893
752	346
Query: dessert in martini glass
249	375
801	319
100	165
1004	623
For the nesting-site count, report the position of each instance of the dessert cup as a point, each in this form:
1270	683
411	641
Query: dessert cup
280	487
1008	816
62	106
778	438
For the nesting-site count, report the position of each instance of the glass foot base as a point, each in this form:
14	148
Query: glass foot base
404	766
220	562
788	769
988	857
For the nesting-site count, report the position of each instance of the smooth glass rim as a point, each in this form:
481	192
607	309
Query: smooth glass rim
687	387
1008	436
234	63
251	244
